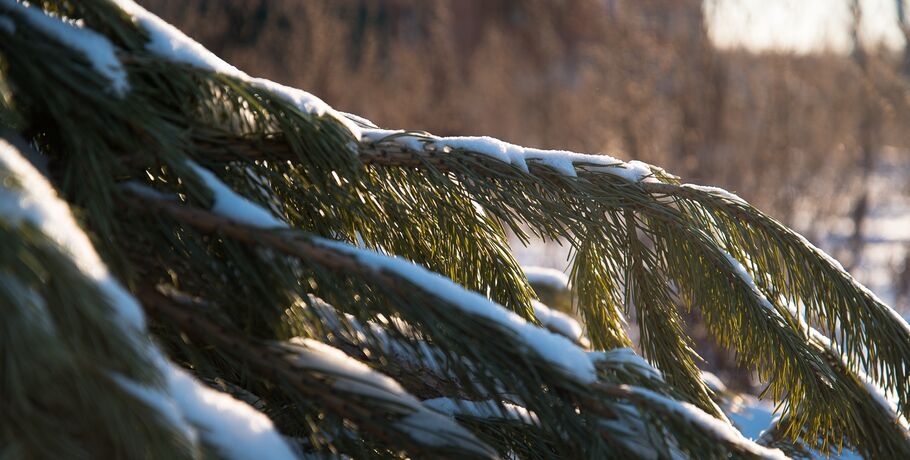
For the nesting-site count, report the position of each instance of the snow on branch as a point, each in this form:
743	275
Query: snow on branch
97	49
430	427
168	42
706	423
377	404
247	220
394	338
36	202
488	409
717	191
885	403
231	426
234	428
803	248
749	282
626	359
557	350
559	323
230	204
560	161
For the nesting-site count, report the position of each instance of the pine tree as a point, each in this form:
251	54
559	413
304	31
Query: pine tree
199	263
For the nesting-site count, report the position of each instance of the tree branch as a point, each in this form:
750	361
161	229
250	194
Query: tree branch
271	363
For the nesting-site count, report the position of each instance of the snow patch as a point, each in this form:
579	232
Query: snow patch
434	429
237	430
363	121
730	196
744	275
627	358
713	382
557	321
353	376
561	161
234	206
160	401
144	191
95	47
234	428
415	352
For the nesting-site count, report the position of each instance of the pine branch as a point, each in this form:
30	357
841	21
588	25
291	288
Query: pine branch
870	415
424	370
355	263
599	295
688	254
369	404
500	359
663	339
285	156
720	431
873	336
803	265
76	349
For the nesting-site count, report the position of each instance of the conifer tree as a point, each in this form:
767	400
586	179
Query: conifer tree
195	262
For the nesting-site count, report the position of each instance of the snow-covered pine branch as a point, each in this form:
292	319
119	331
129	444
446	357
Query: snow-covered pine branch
248	197
67	320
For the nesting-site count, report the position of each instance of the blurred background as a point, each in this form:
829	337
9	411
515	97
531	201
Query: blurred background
799	106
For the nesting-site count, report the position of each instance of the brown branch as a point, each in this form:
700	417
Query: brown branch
273	148
209	222
380	153
390	154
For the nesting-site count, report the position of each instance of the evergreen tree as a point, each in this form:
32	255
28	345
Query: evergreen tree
254	300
